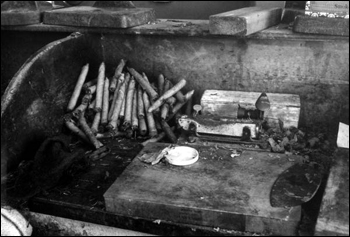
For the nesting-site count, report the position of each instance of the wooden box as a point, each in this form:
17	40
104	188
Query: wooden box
222	103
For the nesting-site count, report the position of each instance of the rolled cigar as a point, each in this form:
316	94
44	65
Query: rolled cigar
86	99
168	132
166	107
92	104
158	138
167	94
74	98
78	110
142	126
114	133
72	127
122	111
179	96
164	111
117	74
115	95
140	106
84	104
158	125
134	119
189	107
145	85
99	90
89	83
129	103
167	85
96	123
113	123
91	89
161	81
85	127
179	105
105	102
150	120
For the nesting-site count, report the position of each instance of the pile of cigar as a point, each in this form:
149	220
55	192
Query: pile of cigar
125	105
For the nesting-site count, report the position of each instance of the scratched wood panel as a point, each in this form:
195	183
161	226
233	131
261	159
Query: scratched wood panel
244	21
216	191
225	103
99	17
333	219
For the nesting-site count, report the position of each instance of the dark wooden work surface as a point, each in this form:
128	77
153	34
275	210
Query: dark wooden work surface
81	198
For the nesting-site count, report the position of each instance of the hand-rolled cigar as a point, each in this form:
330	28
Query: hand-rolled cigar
167	85
189	107
179	96
158	125
74	98
140	106
134	119
91	89
122	110
117	74
115	95
72	127
89	83
167	94
78	110
96	123
158	138
99	90
168	132
92	104
150	120
113	123
161	81
85	127
86	99
164	111
179	105
166	107
114	133
105	103
145	84
129	104
142	126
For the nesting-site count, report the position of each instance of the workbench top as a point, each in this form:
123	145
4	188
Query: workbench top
178	27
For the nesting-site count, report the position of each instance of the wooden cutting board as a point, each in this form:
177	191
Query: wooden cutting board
99	17
217	191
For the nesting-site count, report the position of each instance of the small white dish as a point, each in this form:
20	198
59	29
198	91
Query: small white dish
182	155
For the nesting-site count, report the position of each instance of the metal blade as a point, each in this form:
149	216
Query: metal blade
295	186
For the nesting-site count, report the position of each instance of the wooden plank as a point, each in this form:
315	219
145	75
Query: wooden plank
244	21
216	191
321	25
19	13
333	219
226	103
99	17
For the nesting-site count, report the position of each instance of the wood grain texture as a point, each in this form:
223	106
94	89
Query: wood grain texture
99	17
333	219
216	191
321	25
226	103
244	21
